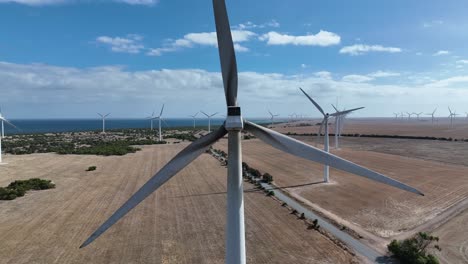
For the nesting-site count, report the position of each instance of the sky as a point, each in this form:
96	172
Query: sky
73	58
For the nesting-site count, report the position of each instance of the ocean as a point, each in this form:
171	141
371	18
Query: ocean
40	126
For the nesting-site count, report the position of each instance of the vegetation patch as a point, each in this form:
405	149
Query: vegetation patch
19	188
91	168
414	250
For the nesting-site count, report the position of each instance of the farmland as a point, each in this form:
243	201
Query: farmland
183	222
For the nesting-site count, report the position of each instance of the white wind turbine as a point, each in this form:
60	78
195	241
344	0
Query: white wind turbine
326	116
194	116
272	118
396	115
159	118
233	125
418	114
209	119
432	115
151	118
409	115
103	121
339	122
3	120
451	116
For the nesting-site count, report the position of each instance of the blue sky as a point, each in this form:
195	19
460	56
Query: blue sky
63	58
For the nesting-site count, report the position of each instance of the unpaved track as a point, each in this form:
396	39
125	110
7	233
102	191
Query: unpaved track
183	222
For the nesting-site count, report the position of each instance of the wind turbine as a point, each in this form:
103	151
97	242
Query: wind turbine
432	115
272	117
409	115
209	118
339	122
451	116
396	115
233	125
194	116
151	118
3	120
103	121
159	117
326	116
418	114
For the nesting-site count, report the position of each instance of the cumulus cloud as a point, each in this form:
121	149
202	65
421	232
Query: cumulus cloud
204	39
359	49
322	38
441	53
250	25
462	61
355	78
432	23
129	44
380	74
118	89
54	2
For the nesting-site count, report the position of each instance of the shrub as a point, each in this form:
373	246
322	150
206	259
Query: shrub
270	193
267	178
413	250
19	188
91	168
314	225
302	216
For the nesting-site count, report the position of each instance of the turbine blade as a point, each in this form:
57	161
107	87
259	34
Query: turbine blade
214	114
162	109
227	55
99	114
9	123
335	108
205	114
297	148
181	160
345	112
312	100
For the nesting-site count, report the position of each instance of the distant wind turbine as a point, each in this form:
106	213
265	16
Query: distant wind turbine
151	118
209	119
326	170
339	122
233	126
3	120
103	121
432	115
396	115
193	117
272	117
418	114
159	118
451	116
409	115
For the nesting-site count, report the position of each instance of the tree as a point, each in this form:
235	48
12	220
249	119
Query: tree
414	250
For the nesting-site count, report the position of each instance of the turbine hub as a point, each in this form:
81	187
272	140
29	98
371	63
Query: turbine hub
234	121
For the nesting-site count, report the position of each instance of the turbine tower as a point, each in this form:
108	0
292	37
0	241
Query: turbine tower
3	120
233	125
159	117
326	116
103	121
272	118
396	115
409	115
209	119
151	118
418	114
432	115
451	116
194	116
339	122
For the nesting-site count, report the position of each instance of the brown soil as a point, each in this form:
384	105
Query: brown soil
183	222
453	237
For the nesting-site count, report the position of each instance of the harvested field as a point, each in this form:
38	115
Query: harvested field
388	126
183	222
443	151
454	240
377	208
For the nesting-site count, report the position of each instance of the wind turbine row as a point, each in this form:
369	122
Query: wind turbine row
232	127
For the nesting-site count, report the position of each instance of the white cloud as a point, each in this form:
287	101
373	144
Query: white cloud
204	39
355	78
117	89
322	38
380	74
432	23
303	65
359	49
54	2
462	61
441	52
250	25
324	75
129	44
